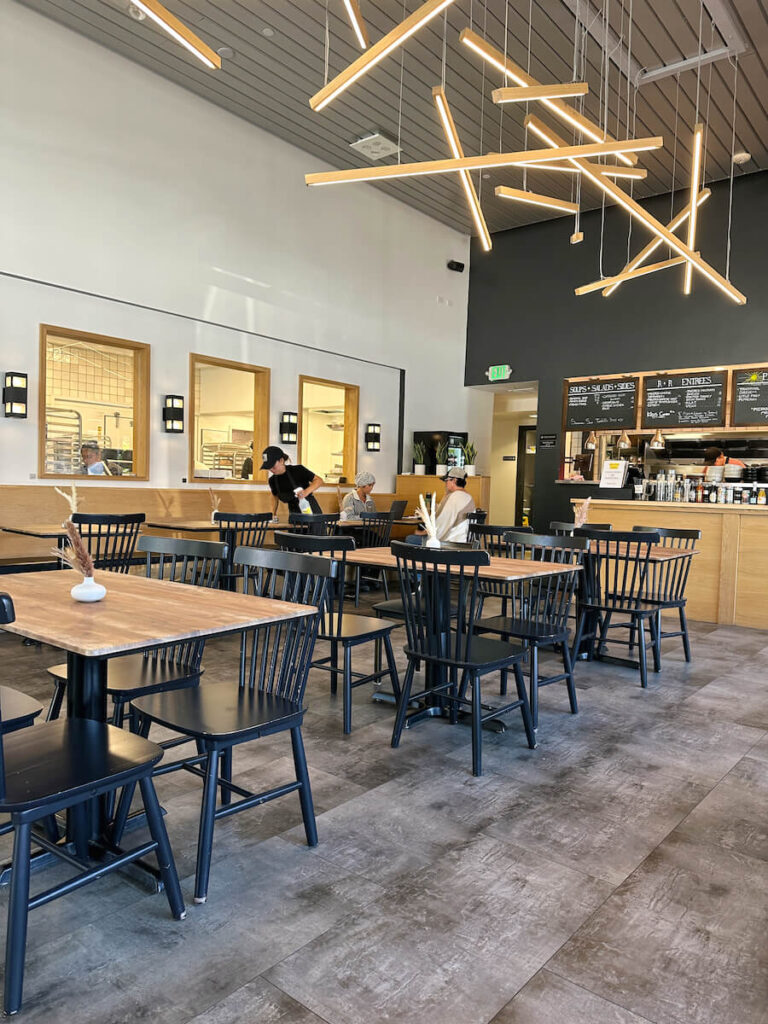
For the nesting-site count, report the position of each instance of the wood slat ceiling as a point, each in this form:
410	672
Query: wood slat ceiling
270	78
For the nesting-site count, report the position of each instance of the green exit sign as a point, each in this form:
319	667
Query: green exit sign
502	372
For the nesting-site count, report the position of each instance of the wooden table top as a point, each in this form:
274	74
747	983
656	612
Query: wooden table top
659	553
37	530
500	569
137	613
200	525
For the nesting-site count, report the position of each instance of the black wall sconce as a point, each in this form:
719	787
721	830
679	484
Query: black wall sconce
15	394
373	437
289	427
173	414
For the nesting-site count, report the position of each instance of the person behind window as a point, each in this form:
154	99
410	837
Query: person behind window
717	457
247	471
359	500
289	483
451	514
94	463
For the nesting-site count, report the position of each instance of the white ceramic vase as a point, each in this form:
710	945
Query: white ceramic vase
419	470
432	542
470	470
441	470
213	518
89	590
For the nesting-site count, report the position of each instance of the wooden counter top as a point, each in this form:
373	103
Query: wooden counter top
646	507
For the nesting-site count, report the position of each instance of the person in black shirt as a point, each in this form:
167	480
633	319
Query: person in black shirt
285	480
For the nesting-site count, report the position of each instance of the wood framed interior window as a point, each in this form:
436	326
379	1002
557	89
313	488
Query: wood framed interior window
94	405
229	419
328	428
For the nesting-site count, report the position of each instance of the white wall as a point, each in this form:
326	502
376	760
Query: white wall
122	185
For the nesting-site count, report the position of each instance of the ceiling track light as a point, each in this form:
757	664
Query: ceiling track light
388	44
356	20
693	206
178	30
629	275
454	144
527	93
514	72
535	199
635	210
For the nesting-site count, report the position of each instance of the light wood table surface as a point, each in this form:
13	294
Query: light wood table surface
200	525
658	552
500	569
37	530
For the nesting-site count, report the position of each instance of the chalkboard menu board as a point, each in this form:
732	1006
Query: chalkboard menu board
685	400
750	398
601	405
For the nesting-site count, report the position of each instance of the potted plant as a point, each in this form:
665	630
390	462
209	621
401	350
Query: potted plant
470	457
441	454
419	458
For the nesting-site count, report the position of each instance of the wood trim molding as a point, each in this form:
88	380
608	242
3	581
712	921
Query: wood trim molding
351	424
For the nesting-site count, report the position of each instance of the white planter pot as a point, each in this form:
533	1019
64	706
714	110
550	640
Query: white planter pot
419	470
470	470
440	470
213	519
88	590
432	542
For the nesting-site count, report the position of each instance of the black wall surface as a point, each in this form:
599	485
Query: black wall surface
522	309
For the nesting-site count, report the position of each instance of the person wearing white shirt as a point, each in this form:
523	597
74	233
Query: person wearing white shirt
452	512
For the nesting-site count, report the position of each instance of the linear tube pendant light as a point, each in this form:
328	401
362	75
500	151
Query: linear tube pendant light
654	244
522	196
378	52
179	31
611	170
629	275
356	20
527	93
449	127
469	163
513	71
698	136
635	210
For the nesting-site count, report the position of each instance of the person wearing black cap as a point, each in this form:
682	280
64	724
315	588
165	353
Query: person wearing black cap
289	483
452	512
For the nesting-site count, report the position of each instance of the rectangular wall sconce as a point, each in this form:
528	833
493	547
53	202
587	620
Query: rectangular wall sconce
173	414
289	427
373	437
15	395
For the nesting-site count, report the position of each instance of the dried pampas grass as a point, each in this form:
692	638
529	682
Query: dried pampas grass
215	500
76	554
582	513
71	498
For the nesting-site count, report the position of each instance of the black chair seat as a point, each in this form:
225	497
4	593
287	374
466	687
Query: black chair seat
633	606
58	761
18	710
524	629
488	654
135	673
355	627
219	711
395	609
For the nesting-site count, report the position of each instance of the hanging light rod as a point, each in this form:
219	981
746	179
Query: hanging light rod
386	45
654	244
679	66
693	206
454	144
178	30
612	170
471	163
514	72
535	199
526	93
356	20
629	275
635	210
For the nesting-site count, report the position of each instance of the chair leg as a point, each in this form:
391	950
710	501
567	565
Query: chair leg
357	586
686	638
207	822
377	654
503	684
18	909
579	634
226	774
570	681
603	637
632	638
334	665
385	582
305	793
163	852
402	704
642	653
477	728
59	693
392	665
347	691
525	708
533	683
141	727
654	624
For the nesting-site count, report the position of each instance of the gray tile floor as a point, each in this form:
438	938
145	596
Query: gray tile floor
618	874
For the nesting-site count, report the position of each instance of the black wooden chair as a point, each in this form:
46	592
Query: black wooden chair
194	562
566	529
538	612
477	518
60	766
316	525
666	581
345	632
616	571
443	638
110	538
239	530
375	532
491	539
268	698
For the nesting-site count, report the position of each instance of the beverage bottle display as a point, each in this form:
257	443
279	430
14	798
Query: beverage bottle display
761	500
713	494
304	505
700	492
745	495
753	496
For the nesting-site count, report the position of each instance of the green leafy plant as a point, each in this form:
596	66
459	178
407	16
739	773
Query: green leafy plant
441	453
470	453
419	453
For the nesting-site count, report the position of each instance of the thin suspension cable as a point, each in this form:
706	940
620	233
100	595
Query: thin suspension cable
400	98
503	76
632	180
445	38
327	43
634	119
674	151
698	72
618	90
735	63
482	99
604	113
709	97
527	105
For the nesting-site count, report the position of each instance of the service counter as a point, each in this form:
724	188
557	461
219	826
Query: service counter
729	580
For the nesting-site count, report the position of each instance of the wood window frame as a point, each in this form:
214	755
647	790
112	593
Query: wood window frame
261	408
351	416
140	400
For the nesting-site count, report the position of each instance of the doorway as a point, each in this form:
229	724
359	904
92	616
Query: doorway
515	414
526	458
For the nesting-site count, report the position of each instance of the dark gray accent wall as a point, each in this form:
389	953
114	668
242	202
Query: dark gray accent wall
522	309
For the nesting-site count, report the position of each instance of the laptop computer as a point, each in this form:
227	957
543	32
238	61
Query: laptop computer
397	509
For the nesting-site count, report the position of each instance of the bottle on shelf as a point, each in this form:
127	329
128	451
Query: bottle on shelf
761	498
745	492
700	492
713	494
753	496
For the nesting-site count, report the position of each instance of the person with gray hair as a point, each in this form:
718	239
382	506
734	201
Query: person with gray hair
360	499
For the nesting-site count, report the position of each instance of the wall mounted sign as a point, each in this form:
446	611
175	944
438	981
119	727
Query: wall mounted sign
547	440
694	399
501	372
601	405
749	390
614	473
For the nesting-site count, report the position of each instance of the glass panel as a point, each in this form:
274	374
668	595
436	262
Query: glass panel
322	430
224	417
90	393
